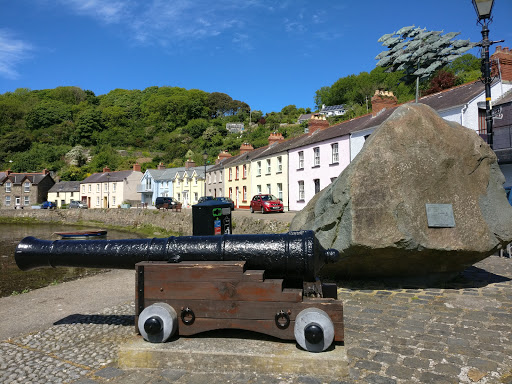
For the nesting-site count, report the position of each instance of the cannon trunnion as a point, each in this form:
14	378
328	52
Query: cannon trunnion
191	284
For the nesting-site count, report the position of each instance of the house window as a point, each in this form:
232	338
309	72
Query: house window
215	177
335	155
26	201
230	192
97	201
317	185
316	156
244	191
186	180
245	171
83	188
269	190
220	191
301	160
280	191
230	174
258	189
97	187
301	190
258	171
106	187
27	186
279	164
237	173
58	193
114	187
113	200
8	186
195	180
179	197
195	196
7	201
90	187
269	168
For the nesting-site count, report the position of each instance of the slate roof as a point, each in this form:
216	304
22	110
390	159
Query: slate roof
329	108
104	177
18	178
66	186
504	99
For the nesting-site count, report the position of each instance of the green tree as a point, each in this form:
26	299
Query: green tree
48	113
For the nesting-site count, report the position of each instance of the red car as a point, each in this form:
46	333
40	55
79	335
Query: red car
266	203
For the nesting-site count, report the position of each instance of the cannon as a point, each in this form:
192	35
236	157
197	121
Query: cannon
262	283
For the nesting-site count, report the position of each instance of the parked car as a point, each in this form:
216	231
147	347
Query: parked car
77	204
48	205
202	199
161	200
266	203
226	200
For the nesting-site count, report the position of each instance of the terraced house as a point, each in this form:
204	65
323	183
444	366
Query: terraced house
189	183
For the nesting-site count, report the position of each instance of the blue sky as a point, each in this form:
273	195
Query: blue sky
266	53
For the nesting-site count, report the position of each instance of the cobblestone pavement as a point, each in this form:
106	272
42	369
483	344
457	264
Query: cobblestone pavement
458	333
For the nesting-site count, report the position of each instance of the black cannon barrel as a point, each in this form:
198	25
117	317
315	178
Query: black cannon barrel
296	255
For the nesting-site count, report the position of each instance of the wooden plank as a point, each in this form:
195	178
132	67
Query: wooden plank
268	290
249	310
254	275
191	271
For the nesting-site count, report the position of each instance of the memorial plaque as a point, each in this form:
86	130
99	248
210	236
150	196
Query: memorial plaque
440	215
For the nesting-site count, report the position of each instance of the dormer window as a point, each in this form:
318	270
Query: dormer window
26	186
8	186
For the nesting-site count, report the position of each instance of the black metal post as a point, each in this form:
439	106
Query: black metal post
487	82
205	157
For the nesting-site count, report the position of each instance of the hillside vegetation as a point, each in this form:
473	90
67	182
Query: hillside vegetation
73	132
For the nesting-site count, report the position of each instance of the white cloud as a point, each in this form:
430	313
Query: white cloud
12	52
108	11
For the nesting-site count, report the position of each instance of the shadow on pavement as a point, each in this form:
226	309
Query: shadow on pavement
125	320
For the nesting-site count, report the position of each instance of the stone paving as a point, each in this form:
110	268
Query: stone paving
457	333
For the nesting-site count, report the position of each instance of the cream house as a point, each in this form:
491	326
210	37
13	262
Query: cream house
64	192
110	189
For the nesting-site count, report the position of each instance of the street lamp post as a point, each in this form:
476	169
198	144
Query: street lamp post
483	10
205	157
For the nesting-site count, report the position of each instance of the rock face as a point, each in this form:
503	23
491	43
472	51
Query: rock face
374	213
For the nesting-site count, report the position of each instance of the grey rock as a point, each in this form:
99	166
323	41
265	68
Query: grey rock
374	213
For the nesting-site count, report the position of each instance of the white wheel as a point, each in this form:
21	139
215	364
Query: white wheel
314	330
158	322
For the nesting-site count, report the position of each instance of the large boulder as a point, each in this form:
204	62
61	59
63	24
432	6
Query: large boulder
375	212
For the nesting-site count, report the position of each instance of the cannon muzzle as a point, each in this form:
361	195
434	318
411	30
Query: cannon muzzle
294	255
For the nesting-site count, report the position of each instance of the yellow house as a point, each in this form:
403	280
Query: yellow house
63	192
189	183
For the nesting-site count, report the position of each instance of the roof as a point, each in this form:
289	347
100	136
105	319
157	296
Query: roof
504	99
18	178
333	108
306	116
112	176
66	186
454	97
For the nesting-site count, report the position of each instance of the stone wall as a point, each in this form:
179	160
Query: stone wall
177	222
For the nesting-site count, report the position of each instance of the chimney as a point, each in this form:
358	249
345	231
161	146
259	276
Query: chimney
161	166
382	100
136	167
275	138
223	155
504	57
8	172
190	163
246	147
317	123
46	172
106	169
